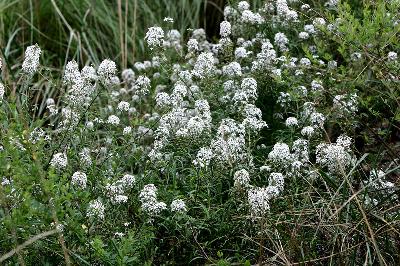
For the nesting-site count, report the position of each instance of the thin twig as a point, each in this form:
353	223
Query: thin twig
27	243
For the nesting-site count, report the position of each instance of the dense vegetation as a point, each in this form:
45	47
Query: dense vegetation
129	136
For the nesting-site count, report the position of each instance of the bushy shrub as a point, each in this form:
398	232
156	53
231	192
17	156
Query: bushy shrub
240	151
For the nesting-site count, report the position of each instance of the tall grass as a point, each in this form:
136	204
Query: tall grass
88	30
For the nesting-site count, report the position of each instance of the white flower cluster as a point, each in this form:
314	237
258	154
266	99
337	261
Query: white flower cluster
291	122
247	92
79	179
232	70
229	145
59	160
123	106
379	186
81	84
84	158
95	210
204	66
259	197
113	120
203	157
173	40
128	76
285	15
51	106
336	156
154	37
180	122
392	56
70	119
345	105
225	29
2	91
150	204
38	134
377	182
253	118
266	59
178	206
31	61
192	45
250	17
332	3
142	85
116	191
280	154
241	179
107	70
281	41
127	130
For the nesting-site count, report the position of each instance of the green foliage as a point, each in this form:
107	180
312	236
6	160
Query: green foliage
340	212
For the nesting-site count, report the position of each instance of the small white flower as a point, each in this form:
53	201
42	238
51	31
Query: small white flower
31	61
304	35
276	180
107	70
79	179
2	91
392	56
241	52
319	22
309	28
127	130
265	168
243	5
332	64
203	158
291	122
128	181
225	29
241	178
142	86
317	119
281	41
123	106
96	209
119	199
154	37
252	18
59	160
233	69
148	198
179	206
119	234
258	199
192	45
356	56
113	120
307	131
168	20
305	7
280	153
89	125
333	155
305	62
204	65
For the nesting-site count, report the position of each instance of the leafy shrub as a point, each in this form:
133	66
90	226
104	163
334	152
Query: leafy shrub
241	151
